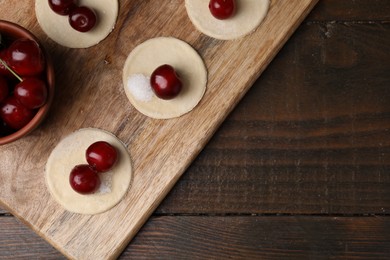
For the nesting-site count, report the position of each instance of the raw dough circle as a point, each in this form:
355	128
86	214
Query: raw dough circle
146	57
71	152
249	15
58	29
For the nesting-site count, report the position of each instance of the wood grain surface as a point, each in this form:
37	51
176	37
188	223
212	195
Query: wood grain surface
235	237
89	94
329	199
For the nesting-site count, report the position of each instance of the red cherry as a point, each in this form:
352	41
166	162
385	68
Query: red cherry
84	179
15	114
25	57
31	92
62	7
101	156
4	129
82	19
165	82
3	70
4	91
222	9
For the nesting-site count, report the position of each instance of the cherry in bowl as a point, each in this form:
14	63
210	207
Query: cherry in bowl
25	57
31	92
14	114
44	69
4	89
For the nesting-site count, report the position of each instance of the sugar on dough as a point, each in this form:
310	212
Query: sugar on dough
149	55
58	29
249	15
70	152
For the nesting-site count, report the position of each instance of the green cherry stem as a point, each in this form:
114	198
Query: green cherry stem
11	70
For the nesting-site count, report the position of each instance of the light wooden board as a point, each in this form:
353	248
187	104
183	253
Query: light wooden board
90	94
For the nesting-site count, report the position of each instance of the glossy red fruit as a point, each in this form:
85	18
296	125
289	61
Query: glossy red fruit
84	179
25	57
3	70
4	129
4	90
62	7
82	18
222	9
101	156
165	82
15	114
31	92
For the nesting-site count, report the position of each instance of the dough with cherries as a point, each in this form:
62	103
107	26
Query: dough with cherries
249	15
149	55
58	29
70	152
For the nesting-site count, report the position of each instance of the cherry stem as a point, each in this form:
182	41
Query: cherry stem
13	72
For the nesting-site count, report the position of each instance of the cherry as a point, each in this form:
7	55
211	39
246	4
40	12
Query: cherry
25	57
84	179
165	82
4	129
62	7
222	9
31	92
15	114
3	70
82	18
101	156
4	91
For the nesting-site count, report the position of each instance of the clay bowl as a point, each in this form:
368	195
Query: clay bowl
14	31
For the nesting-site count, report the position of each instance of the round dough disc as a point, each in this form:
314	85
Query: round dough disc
149	55
71	152
249	15
58	29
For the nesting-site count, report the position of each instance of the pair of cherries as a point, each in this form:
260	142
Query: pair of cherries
101	157
23	61
81	18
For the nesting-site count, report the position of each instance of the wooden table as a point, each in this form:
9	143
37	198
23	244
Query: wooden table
300	169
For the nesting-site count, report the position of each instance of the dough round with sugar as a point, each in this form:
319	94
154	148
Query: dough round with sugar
249	15
149	55
70	152
58	29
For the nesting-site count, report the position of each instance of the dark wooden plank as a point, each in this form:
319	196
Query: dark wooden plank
233	237
20	242
262	237
312	135
351	10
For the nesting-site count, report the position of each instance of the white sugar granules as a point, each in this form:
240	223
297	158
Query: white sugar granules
105	182
139	87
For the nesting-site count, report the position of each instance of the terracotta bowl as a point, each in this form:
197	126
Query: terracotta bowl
14	31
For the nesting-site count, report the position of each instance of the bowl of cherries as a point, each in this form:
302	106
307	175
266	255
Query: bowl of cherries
26	82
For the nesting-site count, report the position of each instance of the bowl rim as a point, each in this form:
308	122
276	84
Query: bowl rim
13	29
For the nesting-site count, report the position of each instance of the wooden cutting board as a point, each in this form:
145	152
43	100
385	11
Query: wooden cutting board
89	93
